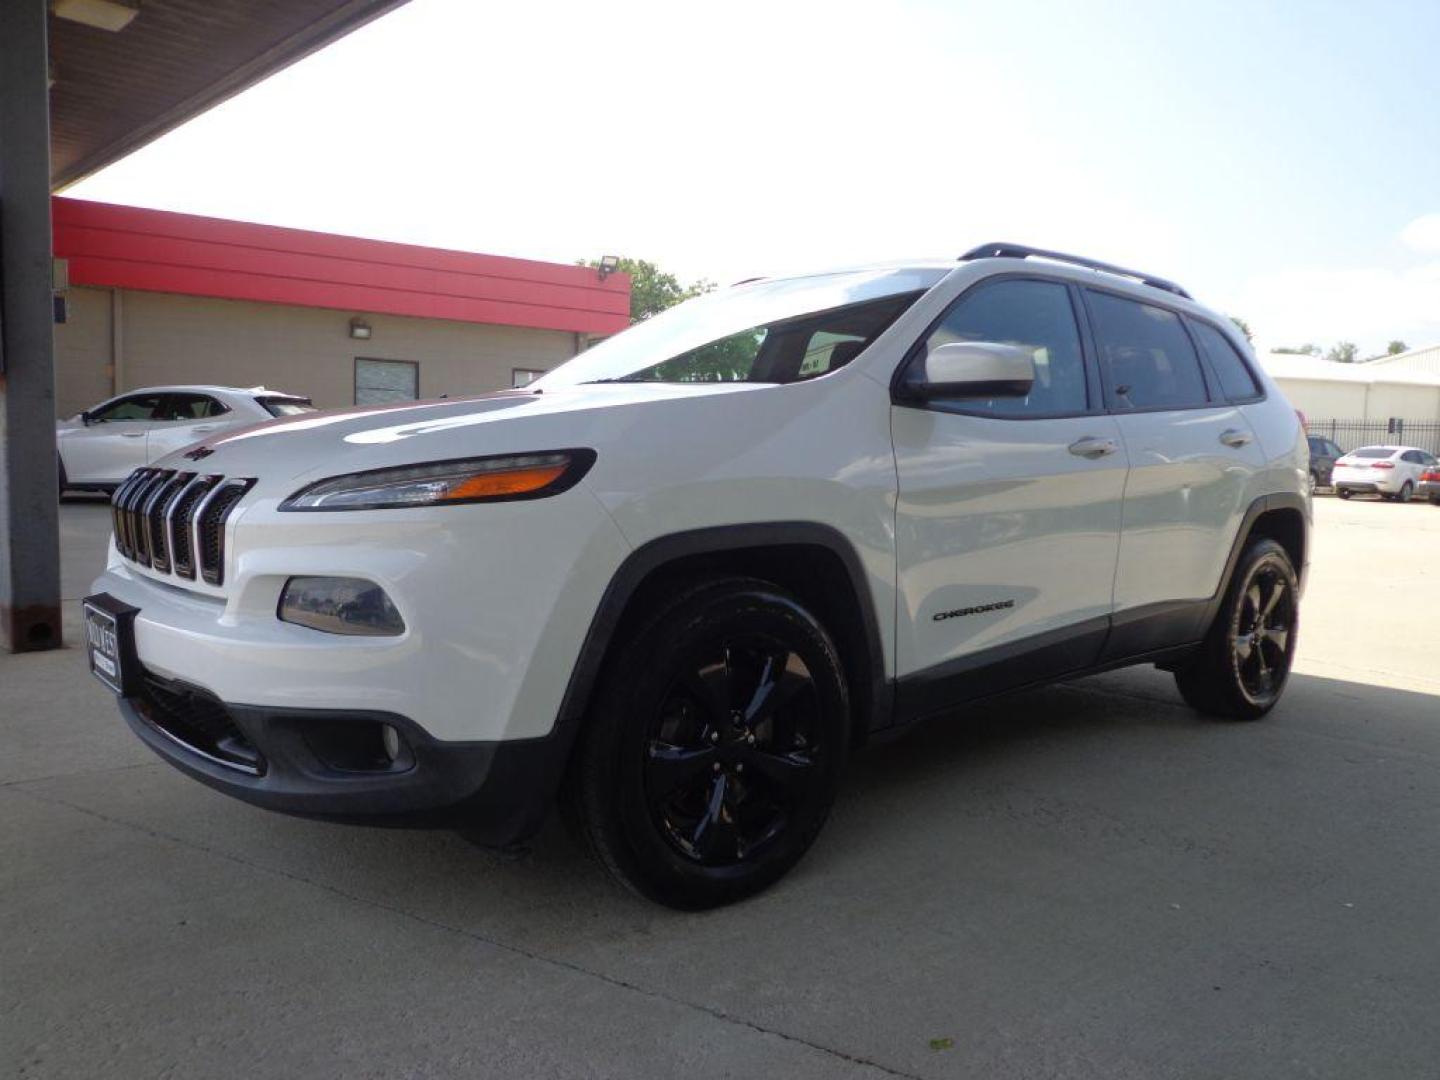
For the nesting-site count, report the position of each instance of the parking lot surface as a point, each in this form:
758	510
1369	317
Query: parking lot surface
1084	881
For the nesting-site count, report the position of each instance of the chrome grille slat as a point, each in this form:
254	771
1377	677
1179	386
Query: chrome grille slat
210	522
155	518
174	522
127	518
184	501
134	508
117	501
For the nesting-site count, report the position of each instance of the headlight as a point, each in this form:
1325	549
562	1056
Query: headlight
340	605
487	479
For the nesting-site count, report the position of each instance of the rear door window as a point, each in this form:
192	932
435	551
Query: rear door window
1229	366
1145	355
190	407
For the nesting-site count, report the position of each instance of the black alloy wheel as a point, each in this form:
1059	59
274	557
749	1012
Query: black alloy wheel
1263	633
1242	667
733	749
712	753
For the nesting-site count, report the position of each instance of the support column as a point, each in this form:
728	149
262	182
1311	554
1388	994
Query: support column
29	510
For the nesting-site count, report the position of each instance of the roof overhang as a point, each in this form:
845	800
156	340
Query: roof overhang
114	91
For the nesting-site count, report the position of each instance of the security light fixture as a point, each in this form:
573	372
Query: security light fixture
608	265
101	14
359	329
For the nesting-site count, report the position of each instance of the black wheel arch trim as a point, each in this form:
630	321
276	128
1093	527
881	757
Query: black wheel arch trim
654	555
1280	500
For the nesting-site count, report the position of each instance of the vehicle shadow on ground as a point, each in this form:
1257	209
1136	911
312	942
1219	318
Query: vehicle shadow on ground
1107	763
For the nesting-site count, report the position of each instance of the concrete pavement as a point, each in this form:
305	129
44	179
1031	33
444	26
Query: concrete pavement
1082	881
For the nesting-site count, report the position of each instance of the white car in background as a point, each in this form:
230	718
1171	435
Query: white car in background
102	445
1392	472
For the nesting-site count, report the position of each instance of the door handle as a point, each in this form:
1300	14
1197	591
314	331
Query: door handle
132	434
203	427
1234	438
1091	447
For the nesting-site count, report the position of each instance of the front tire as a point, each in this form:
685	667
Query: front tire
1244	663
1314	482
1343	493
711	758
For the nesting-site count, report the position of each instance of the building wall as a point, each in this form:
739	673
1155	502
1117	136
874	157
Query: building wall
82	351
166	338
1405	402
1325	398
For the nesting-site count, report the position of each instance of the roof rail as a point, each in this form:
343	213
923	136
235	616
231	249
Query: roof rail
1020	251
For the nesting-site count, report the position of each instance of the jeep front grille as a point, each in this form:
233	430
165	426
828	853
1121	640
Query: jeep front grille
174	522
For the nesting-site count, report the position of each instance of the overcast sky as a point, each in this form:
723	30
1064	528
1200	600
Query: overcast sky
1280	160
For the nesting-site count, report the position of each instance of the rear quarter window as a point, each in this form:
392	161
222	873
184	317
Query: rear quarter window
1236	381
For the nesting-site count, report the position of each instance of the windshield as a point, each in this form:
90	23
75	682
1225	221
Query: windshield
771	331
278	406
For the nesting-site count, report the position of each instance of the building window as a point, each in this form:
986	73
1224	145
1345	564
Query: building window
524	376
380	381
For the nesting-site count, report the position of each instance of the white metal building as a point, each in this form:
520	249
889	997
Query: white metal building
1423	361
1377	391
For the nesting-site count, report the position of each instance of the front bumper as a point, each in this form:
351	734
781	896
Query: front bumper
329	763
496	602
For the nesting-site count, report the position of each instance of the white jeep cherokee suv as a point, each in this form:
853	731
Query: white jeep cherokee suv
677	579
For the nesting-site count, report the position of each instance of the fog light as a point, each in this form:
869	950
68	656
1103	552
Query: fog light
340	605
390	739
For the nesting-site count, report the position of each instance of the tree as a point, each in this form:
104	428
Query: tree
1343	352
1297	350
652	290
1244	327
1395	348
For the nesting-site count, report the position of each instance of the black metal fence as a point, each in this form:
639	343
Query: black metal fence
1351	434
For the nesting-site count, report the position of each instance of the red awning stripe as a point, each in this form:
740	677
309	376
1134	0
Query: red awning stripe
153	250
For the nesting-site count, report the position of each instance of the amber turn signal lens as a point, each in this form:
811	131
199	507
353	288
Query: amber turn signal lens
438	483
490	485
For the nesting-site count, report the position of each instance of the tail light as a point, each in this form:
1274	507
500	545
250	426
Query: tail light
1430	475
1383	465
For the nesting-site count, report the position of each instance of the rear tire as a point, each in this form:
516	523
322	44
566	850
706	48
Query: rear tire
1343	493
712	754
1407	489
1244	662
1314	482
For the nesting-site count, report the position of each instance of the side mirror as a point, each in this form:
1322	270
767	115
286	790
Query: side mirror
975	369
86	418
